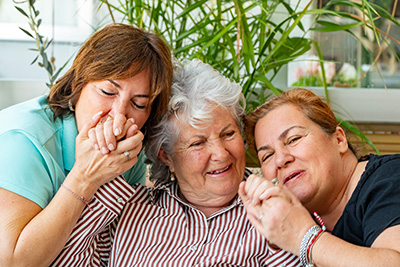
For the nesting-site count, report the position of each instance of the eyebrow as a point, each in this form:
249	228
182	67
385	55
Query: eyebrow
281	136
119	87
223	129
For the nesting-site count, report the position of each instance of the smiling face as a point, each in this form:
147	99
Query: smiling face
129	97
209	162
296	151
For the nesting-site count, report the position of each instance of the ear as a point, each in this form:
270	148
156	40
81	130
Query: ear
164	157
341	139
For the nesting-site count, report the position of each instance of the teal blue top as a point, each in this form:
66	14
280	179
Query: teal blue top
37	153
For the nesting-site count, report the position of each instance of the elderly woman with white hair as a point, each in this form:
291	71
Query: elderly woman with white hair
193	215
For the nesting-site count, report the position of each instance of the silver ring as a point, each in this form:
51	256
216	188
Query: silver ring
261	216
126	153
275	181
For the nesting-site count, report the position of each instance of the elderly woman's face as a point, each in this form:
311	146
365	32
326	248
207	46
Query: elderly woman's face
129	97
209	162
296	151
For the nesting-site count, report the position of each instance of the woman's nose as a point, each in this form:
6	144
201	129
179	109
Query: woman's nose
121	107
218	151
283	158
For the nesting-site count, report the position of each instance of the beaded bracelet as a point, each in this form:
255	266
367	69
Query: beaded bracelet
319	220
77	196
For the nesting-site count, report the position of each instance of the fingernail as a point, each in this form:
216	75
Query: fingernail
104	150
96	146
97	114
132	120
117	131
111	147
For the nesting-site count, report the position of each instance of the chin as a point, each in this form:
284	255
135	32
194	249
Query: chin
302	195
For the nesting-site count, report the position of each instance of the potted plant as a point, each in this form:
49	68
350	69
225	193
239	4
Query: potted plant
248	41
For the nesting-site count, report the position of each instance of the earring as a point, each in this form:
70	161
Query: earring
173	177
71	108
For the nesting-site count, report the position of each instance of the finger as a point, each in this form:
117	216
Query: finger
109	136
132	130
90	124
260	190
93	138
253	181
133	143
101	139
128	124
242	193
119	123
254	217
278	192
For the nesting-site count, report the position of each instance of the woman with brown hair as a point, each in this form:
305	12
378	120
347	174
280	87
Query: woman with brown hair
327	206
119	83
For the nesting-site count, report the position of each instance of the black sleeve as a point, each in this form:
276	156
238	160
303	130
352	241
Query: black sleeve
380	199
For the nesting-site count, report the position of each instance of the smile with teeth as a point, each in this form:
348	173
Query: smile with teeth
220	171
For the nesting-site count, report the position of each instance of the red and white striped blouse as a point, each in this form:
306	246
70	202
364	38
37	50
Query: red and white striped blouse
140	226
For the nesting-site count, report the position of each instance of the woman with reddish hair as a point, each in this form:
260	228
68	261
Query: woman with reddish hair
52	160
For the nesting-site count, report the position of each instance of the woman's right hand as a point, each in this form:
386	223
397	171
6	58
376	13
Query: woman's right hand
275	212
94	168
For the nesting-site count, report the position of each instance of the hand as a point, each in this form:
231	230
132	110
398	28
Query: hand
276	213
253	188
109	130
92	168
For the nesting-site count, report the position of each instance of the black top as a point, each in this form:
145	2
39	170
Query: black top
375	203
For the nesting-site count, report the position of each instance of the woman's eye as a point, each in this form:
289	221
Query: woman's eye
197	143
294	139
106	92
229	134
265	157
138	105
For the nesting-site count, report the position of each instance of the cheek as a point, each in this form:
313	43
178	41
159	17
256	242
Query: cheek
140	117
267	172
191	162
239	150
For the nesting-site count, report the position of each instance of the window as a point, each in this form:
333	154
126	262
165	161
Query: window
65	21
375	97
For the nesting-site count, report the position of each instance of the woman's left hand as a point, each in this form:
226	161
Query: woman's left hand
110	131
276	213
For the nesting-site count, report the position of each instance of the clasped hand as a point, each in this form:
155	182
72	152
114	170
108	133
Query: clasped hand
107	147
275	212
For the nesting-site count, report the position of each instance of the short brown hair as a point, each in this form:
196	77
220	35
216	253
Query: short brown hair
117	51
313	107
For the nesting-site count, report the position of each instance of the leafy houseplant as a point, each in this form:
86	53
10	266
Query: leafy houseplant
244	40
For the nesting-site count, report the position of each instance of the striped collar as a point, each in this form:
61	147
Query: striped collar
172	189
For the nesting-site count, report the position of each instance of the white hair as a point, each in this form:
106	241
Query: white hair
195	91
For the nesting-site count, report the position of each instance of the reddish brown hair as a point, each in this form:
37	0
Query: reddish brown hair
313	107
117	51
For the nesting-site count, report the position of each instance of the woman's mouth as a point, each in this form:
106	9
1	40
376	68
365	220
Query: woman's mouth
292	176
220	170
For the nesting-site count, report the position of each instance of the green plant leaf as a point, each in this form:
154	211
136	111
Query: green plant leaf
356	131
331	27
22	11
36	58
214	39
26	32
